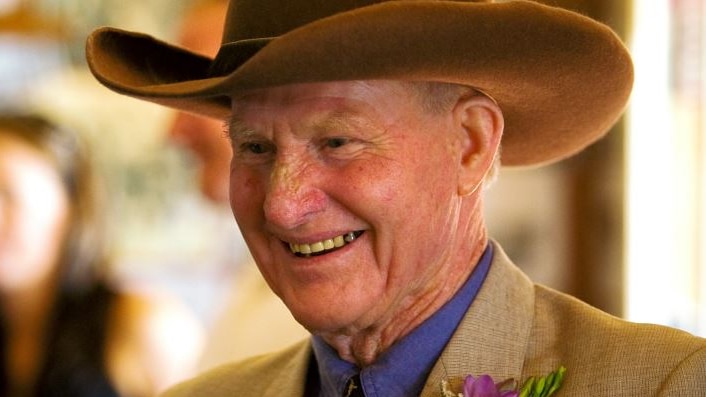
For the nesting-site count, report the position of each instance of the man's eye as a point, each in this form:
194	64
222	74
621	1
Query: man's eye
254	147
334	143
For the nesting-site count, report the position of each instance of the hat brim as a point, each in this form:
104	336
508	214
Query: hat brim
561	79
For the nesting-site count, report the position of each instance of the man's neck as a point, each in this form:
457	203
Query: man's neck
363	346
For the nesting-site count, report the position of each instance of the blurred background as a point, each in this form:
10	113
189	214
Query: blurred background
621	226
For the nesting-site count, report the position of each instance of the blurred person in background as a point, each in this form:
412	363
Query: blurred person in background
253	319
203	137
64	328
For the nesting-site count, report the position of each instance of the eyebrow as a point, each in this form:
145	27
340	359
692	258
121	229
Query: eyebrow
236	128
341	120
335	120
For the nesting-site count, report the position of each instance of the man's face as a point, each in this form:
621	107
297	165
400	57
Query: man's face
357	174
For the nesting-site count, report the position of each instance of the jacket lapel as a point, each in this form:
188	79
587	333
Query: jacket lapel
493	335
491	339
291	377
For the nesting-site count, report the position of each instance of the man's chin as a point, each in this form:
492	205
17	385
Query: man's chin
328	322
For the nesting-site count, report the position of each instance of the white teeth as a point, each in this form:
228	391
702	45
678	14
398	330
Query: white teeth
338	241
321	246
328	244
317	247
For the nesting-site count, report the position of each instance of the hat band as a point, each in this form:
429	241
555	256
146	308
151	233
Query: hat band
231	55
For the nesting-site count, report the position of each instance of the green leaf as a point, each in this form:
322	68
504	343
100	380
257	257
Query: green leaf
526	390
539	386
557	381
543	386
550	383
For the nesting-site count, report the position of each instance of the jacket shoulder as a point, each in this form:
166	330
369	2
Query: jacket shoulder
598	348
269	374
688	378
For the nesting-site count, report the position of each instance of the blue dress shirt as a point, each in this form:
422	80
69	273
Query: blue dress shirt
402	370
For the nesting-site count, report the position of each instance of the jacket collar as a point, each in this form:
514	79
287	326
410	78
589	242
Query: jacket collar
493	336
291	379
491	339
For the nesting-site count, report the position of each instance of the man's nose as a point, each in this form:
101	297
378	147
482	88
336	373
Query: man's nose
293	195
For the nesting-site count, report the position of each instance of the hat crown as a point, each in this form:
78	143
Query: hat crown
261	19
561	79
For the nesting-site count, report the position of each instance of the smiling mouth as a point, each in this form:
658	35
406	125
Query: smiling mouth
323	247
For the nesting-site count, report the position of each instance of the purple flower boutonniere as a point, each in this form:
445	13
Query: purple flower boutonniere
485	386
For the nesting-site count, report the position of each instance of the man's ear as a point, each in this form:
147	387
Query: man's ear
480	122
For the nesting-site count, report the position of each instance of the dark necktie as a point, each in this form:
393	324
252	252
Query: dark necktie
354	387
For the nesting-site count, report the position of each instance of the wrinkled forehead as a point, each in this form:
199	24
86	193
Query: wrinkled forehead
354	90
353	97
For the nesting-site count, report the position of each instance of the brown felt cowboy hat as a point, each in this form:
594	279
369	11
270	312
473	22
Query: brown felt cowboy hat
561	79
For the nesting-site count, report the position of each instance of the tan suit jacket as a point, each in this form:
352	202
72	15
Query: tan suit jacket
514	329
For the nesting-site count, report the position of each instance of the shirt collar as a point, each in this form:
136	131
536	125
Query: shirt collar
403	369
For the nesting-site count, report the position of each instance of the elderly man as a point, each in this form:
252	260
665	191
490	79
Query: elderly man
362	135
